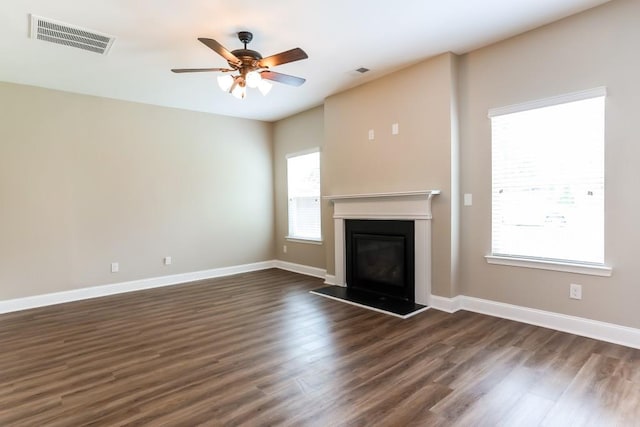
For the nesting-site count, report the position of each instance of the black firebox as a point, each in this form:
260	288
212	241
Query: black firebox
380	258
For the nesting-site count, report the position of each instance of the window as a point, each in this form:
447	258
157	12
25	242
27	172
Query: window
303	184
548	179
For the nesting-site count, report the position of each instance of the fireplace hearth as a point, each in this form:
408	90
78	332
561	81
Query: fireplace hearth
393	306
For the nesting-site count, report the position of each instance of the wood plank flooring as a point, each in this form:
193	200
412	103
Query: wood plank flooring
258	349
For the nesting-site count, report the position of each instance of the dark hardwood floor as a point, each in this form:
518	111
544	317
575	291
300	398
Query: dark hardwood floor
258	349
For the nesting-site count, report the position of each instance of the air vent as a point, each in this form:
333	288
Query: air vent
69	35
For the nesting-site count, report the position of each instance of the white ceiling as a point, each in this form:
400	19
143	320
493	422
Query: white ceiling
153	36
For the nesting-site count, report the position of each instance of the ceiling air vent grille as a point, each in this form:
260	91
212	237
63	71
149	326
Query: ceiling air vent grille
69	35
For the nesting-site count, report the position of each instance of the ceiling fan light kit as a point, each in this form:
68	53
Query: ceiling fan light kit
238	89
253	69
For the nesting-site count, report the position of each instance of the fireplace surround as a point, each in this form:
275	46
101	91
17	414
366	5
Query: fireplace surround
414	206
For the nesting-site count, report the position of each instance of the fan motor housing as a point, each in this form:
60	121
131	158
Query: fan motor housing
246	53
247	56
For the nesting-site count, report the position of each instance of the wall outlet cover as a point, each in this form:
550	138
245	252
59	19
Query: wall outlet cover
575	291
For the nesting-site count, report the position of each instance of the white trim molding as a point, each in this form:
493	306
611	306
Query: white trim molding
35	301
417	193
449	305
548	102
567	267
303	152
595	329
301	269
603	331
303	240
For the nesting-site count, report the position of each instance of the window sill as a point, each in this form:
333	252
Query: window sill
567	267
303	240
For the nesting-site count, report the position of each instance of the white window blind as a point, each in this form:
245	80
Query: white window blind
303	182
548	179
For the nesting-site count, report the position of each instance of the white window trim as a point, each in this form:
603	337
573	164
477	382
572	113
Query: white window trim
303	152
567	267
298	239
310	241
529	262
548	102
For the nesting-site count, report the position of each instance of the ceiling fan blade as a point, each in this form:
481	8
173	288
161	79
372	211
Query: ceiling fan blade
220	50
282	78
198	70
283	58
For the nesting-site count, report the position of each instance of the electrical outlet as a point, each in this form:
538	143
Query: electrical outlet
115	267
372	135
395	129
284	248
575	291
167	260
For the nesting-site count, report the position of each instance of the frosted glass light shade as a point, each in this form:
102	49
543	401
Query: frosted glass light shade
239	91
253	79
225	82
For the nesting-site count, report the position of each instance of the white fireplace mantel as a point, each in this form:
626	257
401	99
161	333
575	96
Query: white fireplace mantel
408	205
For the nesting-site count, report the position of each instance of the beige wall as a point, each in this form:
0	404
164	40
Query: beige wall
420	99
595	48
291	135
85	181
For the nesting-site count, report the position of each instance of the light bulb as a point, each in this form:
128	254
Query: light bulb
264	87
253	78
225	82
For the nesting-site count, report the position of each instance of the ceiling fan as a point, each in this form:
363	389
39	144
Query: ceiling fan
253	70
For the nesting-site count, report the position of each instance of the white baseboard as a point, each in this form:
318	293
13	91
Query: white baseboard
330	279
25	303
450	305
595	329
302	269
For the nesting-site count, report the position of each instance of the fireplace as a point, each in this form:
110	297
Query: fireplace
409	280
380	257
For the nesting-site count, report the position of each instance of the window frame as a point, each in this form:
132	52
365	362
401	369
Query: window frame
596	269
301	239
